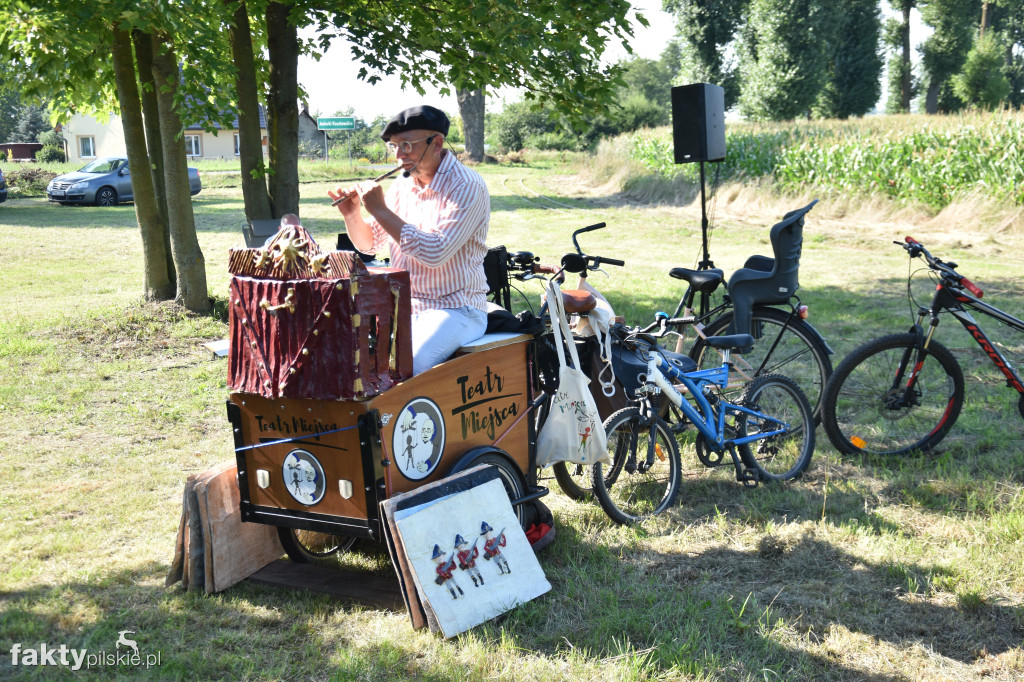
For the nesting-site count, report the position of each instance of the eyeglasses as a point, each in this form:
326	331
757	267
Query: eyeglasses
406	147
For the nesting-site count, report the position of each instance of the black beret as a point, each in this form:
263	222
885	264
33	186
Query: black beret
417	118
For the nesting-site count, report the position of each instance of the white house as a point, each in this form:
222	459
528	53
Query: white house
86	139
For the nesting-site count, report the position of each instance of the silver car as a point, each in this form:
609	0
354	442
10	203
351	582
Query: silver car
103	182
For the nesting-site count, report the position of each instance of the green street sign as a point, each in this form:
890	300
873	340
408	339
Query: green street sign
336	123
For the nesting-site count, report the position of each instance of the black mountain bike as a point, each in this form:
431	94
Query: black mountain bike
904	392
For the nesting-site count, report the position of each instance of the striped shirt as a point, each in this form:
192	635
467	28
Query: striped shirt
444	239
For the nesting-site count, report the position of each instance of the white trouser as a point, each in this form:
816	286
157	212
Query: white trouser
438	333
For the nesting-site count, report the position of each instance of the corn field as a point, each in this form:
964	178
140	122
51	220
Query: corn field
931	160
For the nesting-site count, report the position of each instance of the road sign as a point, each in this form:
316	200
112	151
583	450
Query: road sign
336	123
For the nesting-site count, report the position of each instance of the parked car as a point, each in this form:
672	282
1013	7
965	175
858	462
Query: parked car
3	188
103	182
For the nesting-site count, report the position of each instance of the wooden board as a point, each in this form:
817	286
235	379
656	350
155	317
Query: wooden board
361	588
233	549
214	549
337	451
453	508
418	614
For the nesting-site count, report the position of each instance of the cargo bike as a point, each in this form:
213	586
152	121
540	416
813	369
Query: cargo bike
328	420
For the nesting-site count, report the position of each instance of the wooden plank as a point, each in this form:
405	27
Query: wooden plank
233	549
220	348
179	564
361	588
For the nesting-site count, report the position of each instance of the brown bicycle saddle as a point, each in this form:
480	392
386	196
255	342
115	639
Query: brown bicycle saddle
578	301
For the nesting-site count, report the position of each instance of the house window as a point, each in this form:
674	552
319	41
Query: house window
193	146
87	147
237	148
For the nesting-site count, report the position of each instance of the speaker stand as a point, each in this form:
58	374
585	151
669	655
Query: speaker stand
706	264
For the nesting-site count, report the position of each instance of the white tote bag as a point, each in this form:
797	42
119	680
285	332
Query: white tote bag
573	431
598	323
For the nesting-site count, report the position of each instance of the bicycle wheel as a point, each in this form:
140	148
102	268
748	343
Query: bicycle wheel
798	354
866	411
785	456
643	477
574	479
304	546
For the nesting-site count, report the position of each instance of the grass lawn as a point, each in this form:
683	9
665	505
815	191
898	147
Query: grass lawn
883	569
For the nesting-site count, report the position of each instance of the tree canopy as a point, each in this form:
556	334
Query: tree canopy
783	65
202	62
707	29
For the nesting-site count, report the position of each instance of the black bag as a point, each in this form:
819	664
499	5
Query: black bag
629	362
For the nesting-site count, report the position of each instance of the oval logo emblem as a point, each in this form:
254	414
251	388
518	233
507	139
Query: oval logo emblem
304	477
418	439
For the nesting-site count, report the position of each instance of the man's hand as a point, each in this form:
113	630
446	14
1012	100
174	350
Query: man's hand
372	196
350	200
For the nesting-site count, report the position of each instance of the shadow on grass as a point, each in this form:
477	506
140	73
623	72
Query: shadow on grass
719	611
728	609
246	632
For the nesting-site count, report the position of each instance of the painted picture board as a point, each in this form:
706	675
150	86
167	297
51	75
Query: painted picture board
464	551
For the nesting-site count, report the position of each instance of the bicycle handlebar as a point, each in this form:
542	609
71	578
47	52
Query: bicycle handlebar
528	267
662	322
589	262
948	270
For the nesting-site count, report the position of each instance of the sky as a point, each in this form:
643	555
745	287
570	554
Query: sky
332	84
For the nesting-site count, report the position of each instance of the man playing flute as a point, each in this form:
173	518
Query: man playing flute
434	219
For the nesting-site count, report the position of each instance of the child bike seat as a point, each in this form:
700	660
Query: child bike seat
704	281
769	280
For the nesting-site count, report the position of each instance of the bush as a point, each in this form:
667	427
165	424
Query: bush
29	181
519	122
50	154
50	139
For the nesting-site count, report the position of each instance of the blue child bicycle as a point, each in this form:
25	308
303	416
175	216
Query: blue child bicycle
769	432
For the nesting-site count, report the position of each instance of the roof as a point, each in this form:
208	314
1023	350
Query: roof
214	124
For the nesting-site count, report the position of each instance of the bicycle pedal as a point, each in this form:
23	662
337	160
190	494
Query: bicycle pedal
749	478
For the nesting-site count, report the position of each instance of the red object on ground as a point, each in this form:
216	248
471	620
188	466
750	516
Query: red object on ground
536	532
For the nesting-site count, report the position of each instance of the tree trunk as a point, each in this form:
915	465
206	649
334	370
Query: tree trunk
151	120
283	110
188	257
984	19
250	142
905	81
158	283
931	98
471	109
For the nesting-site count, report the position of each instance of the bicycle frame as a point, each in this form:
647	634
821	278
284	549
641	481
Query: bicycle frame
955	301
706	416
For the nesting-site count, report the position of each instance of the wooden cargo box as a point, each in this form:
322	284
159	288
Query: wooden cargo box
326	464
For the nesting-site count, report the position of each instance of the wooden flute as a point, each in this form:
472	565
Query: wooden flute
349	195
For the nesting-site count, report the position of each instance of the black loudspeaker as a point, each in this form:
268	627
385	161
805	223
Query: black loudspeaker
698	122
